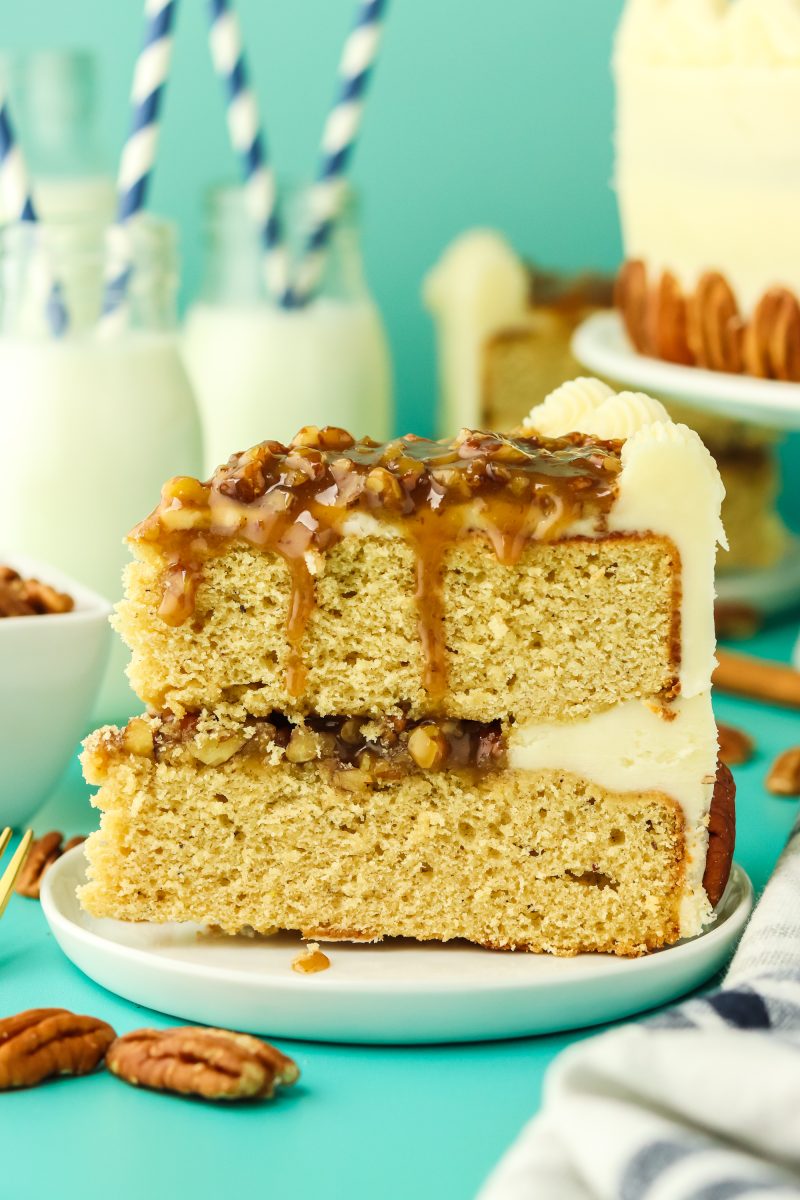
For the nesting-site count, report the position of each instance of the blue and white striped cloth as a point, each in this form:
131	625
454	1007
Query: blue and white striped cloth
700	1103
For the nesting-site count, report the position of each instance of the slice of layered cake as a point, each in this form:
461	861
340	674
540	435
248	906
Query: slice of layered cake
454	689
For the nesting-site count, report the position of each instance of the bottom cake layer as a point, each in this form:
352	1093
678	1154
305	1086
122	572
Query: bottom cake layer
540	860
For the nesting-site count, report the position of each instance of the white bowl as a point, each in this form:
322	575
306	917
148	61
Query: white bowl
50	669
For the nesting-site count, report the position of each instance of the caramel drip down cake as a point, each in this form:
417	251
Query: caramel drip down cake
434	690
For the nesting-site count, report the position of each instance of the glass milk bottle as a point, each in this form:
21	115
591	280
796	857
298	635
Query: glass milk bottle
260	371
53	98
90	426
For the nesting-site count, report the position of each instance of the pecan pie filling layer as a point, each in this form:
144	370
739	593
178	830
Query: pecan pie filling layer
359	752
295	500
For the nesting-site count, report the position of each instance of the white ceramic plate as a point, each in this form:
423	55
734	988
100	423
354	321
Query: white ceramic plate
396	992
602	345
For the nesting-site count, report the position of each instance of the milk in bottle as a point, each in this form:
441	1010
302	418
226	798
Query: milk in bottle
90	427
261	371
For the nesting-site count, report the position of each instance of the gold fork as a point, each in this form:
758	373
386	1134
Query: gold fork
9	876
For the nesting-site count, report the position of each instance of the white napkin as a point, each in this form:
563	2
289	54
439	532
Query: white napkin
700	1103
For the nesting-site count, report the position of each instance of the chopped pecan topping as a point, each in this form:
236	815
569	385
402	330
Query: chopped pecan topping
217	751
216	1064
427	746
358	752
137	738
29	597
43	1042
304	745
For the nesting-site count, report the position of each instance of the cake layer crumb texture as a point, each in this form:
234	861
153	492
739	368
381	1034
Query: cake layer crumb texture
534	860
508	631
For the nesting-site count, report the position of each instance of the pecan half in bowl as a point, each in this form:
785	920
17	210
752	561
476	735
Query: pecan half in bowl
51	664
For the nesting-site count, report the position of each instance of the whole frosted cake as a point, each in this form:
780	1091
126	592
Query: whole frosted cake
454	689
708	179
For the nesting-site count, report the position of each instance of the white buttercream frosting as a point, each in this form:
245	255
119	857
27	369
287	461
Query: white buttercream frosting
670	485
624	414
691	33
632	748
478	287
569	406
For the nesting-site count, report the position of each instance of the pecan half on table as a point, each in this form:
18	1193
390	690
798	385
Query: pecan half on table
215	1064
43	853
735	746
784	774
43	1042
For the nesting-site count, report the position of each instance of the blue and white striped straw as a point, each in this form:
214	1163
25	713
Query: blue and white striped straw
249	140
18	205
138	155
14	185
338	140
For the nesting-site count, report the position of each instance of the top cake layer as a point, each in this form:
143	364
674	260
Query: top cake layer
529	578
297	501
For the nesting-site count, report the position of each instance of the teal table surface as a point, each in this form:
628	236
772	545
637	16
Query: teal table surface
383	1122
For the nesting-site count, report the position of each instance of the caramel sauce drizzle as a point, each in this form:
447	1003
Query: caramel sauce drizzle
295	500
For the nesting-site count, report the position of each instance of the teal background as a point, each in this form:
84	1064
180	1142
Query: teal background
479	113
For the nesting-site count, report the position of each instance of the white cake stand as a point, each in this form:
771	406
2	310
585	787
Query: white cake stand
602	345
